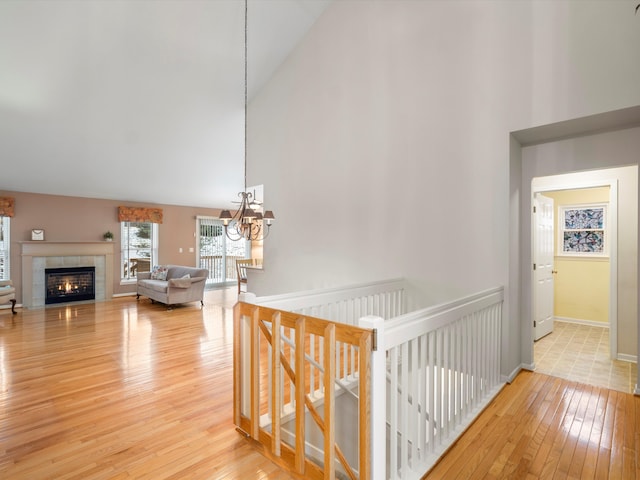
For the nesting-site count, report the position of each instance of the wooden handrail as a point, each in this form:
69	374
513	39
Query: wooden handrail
262	369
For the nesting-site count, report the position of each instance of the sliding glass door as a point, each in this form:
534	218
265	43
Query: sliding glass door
216	252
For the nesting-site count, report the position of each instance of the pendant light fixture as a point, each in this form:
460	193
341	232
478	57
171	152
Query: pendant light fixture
248	221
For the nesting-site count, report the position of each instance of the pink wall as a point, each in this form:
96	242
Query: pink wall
75	219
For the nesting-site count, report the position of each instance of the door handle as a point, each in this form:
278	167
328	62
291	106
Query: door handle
554	271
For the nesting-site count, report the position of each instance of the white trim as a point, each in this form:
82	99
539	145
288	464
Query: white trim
624	357
8	307
154	246
579	321
560	182
126	294
511	377
6	227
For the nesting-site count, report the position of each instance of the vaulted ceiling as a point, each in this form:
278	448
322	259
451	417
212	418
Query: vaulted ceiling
136	100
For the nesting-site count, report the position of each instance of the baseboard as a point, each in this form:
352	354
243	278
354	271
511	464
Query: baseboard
129	294
8	306
624	357
589	323
509	378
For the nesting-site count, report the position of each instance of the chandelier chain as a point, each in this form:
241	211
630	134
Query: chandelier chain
246	85
248	221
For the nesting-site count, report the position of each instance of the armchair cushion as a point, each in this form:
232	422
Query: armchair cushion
180	282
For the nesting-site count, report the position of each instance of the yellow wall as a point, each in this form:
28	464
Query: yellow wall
581	287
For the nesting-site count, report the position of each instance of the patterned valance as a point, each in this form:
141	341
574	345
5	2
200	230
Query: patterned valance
138	214
6	206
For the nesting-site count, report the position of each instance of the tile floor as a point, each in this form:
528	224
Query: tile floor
581	353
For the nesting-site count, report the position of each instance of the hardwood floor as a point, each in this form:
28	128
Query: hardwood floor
122	389
128	390
542	427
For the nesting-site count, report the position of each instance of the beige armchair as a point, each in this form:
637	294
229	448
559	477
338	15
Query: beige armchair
8	294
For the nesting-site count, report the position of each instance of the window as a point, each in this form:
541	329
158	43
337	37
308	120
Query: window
5	242
583	230
139	248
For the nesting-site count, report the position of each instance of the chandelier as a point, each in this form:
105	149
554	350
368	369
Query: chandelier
248	221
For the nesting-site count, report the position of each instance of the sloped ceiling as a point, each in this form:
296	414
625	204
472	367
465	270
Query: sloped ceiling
136	100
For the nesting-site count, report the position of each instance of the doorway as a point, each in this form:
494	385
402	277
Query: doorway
582	285
581	145
588	304
217	253
582	346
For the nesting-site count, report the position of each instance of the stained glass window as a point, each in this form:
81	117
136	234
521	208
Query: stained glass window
584	218
583	230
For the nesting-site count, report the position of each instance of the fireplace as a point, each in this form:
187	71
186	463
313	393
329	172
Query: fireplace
37	256
71	284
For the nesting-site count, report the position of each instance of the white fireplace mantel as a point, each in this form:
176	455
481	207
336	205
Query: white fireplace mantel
36	256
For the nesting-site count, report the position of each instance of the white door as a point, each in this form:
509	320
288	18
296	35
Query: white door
542	266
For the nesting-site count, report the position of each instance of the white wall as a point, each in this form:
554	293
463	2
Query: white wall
361	140
383	141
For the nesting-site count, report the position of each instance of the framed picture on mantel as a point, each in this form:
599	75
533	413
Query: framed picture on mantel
37	234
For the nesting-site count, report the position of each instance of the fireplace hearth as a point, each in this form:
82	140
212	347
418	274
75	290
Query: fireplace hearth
71	284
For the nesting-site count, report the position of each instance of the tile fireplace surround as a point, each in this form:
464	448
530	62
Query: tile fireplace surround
36	256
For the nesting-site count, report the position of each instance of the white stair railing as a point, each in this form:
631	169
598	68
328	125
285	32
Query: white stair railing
386	299
431	374
442	366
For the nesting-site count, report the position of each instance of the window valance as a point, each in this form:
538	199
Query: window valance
6	206
138	214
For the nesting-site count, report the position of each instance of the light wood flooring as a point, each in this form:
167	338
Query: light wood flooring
121	390
543	427
128	390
